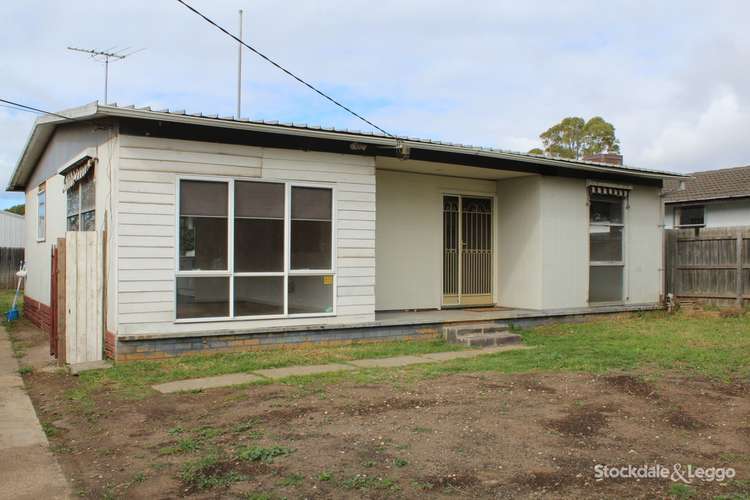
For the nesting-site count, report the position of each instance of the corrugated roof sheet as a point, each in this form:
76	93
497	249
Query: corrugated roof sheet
305	126
709	185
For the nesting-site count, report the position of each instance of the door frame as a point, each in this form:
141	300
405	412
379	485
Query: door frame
494	257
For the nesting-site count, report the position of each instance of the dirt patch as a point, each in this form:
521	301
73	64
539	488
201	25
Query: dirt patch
459	480
631	385
580	422
446	437
393	404
680	420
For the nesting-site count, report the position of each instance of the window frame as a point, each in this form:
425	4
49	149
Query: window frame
41	189
678	216
286	272
608	263
79	212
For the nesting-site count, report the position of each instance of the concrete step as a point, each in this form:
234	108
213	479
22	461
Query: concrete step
490	339
453	333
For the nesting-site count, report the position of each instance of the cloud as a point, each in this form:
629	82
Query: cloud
669	77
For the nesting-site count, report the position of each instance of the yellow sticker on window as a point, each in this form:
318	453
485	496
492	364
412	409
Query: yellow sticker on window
328	280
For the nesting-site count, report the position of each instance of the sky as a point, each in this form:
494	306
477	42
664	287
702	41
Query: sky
672	76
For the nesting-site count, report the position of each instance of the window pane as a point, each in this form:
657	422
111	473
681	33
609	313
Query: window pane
258	245
606	209
73	200
202	297
311	244
691	216
259	199
605	243
310	294
73	223
203	243
41	214
203	198
258	295
311	203
88	192
605	283
88	221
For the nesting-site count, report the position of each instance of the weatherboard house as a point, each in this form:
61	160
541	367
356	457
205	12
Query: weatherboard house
156	233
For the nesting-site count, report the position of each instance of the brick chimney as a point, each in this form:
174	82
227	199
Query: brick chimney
610	158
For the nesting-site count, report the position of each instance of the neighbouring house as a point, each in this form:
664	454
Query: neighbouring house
12	242
714	198
155	233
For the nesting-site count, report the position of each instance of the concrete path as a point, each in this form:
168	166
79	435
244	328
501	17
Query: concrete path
28	470
292	371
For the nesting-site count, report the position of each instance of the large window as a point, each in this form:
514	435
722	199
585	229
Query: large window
81	201
606	229
251	249
41	212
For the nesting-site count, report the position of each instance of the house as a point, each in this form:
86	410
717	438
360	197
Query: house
189	232
714	198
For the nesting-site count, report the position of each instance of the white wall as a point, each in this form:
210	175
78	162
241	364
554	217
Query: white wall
728	213
520	256
67	143
409	236
565	242
146	214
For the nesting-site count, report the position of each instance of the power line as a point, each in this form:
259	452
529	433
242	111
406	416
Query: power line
23	107
279	66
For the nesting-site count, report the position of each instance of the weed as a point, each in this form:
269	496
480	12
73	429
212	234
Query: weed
139	477
292	480
400	462
208	472
208	432
50	430
679	490
175	431
25	370
365	482
422	430
245	425
260	454
325	476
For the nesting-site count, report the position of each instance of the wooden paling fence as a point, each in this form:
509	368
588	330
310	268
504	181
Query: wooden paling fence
10	259
711	265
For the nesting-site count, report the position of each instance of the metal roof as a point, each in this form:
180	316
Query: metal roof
45	125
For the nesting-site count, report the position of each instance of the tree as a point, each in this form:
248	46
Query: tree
17	209
574	137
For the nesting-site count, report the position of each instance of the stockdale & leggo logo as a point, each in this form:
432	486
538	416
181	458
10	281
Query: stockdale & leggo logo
678	473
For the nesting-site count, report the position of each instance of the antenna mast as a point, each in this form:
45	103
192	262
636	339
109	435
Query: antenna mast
105	56
239	71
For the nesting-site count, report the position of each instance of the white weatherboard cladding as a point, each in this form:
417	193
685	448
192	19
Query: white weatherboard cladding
146	214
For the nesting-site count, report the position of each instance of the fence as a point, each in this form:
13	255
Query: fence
10	259
711	265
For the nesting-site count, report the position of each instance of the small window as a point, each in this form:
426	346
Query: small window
81	204
311	228
691	216
41	213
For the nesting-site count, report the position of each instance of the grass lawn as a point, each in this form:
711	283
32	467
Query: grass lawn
704	342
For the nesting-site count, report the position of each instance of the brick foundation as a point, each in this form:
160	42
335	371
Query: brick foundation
141	349
110	345
39	314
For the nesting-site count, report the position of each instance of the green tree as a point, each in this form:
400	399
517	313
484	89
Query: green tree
17	209
575	137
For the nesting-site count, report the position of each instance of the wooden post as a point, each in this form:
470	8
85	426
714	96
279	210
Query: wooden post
61	303
740	287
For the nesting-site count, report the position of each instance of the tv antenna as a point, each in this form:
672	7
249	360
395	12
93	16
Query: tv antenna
104	56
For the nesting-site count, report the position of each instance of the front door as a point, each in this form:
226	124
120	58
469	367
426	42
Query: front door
467	250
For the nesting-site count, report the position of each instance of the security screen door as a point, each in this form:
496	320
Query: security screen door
467	250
